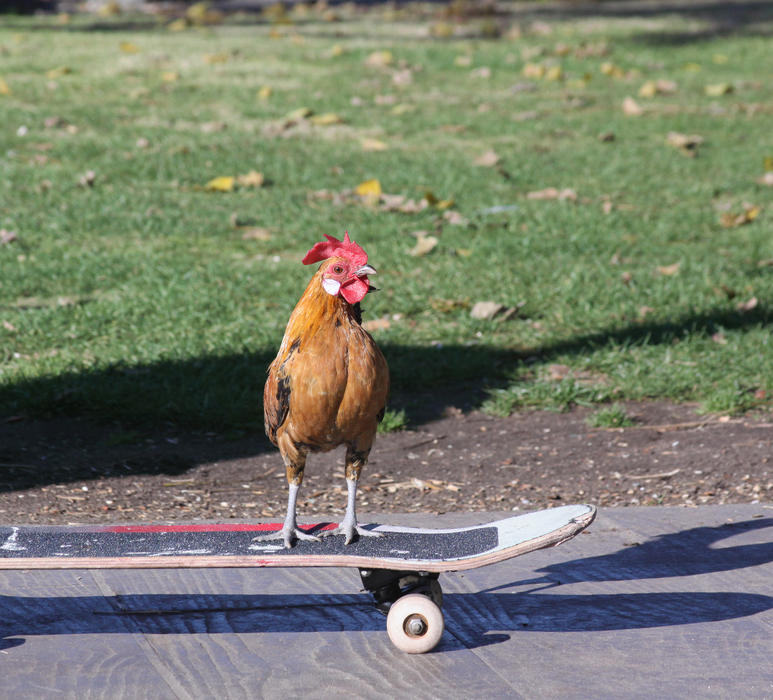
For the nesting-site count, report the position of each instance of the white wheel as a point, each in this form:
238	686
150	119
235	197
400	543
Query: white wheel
415	624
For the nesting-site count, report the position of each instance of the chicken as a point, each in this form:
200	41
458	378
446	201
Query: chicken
329	382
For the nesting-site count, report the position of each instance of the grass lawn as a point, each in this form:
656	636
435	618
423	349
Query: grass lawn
534	169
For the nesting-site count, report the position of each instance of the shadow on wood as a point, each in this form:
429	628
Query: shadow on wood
472	619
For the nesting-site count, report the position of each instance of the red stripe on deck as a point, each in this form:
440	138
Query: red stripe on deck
212	527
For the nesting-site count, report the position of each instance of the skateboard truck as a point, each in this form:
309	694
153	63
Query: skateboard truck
387	585
411	601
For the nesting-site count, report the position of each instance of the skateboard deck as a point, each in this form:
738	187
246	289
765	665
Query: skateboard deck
400	569
234	544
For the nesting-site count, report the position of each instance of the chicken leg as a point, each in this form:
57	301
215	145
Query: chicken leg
290	531
355	461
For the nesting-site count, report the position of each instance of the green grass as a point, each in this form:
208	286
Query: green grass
614	416
137	298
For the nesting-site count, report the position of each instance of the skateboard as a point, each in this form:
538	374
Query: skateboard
400	569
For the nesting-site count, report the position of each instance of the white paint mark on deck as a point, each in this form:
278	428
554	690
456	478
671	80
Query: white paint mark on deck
11	544
168	553
266	547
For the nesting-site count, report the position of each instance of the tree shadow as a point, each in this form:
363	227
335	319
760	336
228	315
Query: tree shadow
93	422
471	618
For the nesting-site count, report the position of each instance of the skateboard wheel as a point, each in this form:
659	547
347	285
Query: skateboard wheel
415	624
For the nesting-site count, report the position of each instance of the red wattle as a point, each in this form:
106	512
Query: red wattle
355	290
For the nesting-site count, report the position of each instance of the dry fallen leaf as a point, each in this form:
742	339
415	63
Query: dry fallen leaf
178	25
424	244
441	30
766	179
224	183
644	311
718	89
397	110
403	77
326	119
265	92
484	310
613	71
369	188
373	145
434	201
9	326
212	58
298	114
482	73
657	87
201	13
445	306
749	214
379	59
747	305
553	193
488	159
719	338
533	70
256	233
4	87
87	179
687	143
7	236
648	89
631	107
669	270
128	47
251	179
399	202
212	127
455	218
55	73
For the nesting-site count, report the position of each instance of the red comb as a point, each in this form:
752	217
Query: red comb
332	248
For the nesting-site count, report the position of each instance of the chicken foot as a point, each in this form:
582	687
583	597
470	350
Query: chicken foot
348	526
290	531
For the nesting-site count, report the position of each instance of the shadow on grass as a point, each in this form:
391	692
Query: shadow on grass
97	411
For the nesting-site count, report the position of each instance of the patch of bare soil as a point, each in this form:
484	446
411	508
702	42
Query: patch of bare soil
67	470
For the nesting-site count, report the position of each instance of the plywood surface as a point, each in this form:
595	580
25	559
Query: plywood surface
672	602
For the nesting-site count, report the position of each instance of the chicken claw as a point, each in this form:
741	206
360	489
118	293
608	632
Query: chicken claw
352	531
288	535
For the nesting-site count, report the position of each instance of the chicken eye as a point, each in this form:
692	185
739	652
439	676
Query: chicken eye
338	269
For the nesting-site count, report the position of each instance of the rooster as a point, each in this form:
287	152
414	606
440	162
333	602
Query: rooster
329	382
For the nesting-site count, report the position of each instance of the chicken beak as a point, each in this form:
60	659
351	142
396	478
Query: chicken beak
365	270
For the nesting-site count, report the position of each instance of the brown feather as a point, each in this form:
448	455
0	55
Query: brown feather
329	382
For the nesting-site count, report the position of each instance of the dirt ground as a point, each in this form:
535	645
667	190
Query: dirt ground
72	471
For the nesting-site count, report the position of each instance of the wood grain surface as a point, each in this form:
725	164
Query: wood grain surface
647	602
